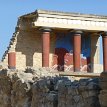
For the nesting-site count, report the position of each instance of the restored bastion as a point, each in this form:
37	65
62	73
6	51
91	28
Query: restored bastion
44	44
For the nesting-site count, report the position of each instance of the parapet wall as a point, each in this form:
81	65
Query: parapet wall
39	87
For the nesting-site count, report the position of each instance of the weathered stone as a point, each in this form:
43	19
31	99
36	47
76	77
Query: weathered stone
73	90
85	94
32	89
103	92
93	85
77	98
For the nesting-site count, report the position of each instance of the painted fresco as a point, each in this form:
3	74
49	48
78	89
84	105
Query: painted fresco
63	58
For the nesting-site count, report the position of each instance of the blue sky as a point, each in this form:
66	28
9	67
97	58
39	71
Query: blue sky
10	10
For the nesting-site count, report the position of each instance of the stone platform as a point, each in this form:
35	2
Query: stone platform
39	87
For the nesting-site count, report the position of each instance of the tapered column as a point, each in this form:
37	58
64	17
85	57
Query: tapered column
77	50
104	43
45	47
11	60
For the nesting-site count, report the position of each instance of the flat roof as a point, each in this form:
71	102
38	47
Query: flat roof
64	20
35	13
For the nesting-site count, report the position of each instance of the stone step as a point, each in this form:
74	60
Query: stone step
8	47
12	42
13	38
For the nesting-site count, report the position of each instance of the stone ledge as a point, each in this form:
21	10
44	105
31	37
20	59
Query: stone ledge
80	74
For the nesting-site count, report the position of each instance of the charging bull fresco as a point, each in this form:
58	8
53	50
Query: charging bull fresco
63	57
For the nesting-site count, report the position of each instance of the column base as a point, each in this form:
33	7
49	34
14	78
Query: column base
11	67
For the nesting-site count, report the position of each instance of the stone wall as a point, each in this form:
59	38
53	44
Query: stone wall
39	87
103	92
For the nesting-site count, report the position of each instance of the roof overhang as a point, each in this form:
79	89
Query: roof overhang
63	20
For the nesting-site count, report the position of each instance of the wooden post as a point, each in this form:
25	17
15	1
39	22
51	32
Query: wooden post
45	47
11	60
77	50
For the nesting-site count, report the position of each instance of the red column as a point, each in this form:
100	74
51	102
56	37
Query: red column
104	42
77	51
45	47
12	60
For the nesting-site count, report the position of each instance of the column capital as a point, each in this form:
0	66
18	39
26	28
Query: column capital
77	32
104	34
45	29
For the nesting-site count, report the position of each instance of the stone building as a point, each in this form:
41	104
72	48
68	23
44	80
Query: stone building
60	40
